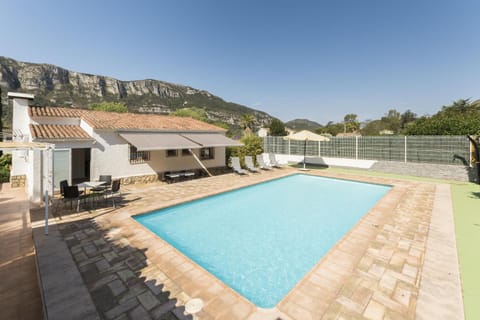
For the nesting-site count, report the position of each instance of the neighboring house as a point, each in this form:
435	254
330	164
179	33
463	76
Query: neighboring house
386	132
129	146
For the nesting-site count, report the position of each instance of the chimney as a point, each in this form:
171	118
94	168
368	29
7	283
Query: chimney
21	120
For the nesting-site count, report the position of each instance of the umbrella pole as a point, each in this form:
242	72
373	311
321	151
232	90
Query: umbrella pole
304	152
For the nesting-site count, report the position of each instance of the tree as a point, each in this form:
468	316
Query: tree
392	121
406	118
277	128
351	123
110	107
247	122
460	118
331	128
192	112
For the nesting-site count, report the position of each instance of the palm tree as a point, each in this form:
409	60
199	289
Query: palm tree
247	122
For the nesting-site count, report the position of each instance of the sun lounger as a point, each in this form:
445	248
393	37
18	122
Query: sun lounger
236	166
249	164
262	163
273	161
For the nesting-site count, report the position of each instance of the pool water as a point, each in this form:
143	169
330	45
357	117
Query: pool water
261	240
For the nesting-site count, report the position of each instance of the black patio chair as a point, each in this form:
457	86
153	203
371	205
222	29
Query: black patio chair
113	191
71	193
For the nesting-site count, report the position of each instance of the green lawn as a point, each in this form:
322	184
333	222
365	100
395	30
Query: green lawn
466	207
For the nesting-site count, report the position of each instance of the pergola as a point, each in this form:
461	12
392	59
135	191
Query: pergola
48	176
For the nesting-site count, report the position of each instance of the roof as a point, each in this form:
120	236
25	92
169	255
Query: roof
125	121
58	132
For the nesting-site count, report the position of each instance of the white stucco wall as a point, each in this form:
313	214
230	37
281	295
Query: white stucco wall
110	156
338	162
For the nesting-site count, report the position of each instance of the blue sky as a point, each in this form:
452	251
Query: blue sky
293	59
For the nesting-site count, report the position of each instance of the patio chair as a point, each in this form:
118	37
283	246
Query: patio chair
273	161
249	164
262	163
113	191
236	166
107	179
71	193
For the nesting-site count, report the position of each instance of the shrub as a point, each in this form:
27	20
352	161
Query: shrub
5	163
253	145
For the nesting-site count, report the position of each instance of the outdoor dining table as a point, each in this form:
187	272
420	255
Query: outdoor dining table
91	184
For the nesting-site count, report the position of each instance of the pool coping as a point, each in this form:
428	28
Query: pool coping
173	262
186	280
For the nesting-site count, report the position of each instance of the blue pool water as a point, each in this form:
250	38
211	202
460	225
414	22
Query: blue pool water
261	240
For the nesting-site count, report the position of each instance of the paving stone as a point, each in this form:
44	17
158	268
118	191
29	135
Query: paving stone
117	287
103	281
121	308
139	313
374	311
102	265
125	274
133	291
148	300
79	257
154	287
103	299
90	250
163	309
110	256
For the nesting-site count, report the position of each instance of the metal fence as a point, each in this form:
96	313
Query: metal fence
454	150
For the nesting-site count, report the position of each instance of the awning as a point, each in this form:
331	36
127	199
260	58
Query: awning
144	141
158	141
212	140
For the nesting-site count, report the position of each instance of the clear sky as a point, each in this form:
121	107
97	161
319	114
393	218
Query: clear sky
293	59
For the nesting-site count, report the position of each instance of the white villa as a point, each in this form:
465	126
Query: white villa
87	143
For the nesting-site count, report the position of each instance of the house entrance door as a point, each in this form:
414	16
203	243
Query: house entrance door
80	165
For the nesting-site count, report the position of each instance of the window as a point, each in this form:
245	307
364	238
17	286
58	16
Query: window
172	153
185	153
138	156
206	153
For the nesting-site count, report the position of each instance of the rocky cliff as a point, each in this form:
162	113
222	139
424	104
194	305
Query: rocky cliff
56	86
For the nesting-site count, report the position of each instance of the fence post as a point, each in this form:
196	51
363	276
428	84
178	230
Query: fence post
319	154
405	149
356	147
289	152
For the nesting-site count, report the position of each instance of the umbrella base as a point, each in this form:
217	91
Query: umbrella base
304	169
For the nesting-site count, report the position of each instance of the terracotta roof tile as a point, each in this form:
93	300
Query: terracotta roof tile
54	112
127	121
56	131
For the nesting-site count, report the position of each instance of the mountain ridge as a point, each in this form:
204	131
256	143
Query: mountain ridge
57	86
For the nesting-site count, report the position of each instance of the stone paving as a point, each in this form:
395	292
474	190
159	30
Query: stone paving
374	272
19	293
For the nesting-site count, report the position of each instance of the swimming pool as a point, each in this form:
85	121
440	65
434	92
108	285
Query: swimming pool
261	240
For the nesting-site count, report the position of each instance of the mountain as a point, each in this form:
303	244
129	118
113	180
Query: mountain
302	124
56	86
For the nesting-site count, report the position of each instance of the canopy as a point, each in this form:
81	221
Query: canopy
305	135
158	141
212	140
144	141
